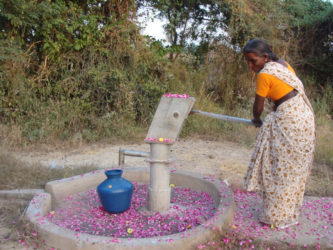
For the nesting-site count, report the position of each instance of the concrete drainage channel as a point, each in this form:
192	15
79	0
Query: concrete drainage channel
62	238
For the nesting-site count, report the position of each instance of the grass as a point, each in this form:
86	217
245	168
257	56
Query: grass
324	140
11	136
15	174
15	231
320	181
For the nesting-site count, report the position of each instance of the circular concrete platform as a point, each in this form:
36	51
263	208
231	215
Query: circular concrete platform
61	238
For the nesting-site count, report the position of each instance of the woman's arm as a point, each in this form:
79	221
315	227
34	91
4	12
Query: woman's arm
258	107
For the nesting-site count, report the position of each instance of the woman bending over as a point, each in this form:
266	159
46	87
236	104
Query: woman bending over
283	155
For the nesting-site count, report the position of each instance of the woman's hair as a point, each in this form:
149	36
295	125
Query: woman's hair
260	48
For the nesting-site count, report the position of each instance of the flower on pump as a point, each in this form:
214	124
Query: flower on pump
129	230
172	185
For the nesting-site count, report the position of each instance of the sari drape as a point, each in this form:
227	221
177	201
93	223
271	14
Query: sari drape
283	155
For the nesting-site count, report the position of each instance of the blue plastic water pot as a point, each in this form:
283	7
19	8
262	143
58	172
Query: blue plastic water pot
115	193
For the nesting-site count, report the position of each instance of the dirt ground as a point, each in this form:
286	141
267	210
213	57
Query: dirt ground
224	160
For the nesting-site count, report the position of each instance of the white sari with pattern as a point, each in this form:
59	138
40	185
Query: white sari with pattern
283	155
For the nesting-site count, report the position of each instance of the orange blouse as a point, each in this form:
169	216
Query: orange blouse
272	87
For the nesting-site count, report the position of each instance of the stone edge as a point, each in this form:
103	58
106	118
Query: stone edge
62	238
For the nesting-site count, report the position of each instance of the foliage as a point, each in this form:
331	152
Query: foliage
315	47
66	63
306	12
190	20
312	24
300	33
80	69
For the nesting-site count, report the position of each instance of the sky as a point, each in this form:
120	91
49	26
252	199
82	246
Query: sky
153	27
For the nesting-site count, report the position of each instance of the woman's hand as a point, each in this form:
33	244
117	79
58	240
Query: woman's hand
257	122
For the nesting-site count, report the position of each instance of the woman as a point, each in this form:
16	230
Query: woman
285	143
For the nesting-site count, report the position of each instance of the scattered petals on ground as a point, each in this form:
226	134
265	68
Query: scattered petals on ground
84	213
315	225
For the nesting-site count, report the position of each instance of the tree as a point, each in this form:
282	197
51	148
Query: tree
312	22
80	54
190	20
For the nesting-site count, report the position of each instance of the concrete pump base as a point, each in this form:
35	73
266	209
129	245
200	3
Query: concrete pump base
62	238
